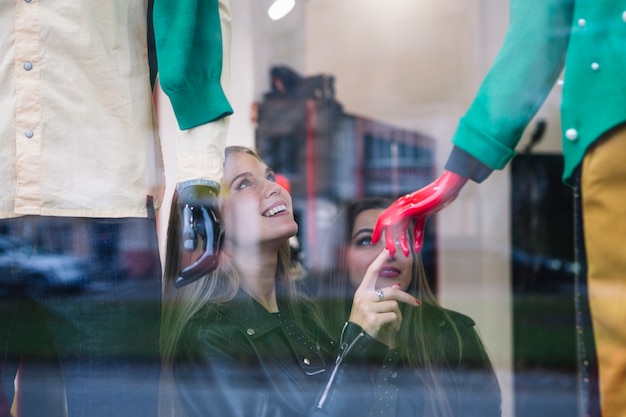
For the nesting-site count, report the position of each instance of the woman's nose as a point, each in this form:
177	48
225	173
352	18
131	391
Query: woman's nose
271	188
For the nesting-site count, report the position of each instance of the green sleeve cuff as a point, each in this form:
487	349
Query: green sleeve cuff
482	146
197	105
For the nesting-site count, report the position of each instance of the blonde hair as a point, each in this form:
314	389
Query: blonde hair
180	305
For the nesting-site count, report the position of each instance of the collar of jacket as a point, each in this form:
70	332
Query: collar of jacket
247	314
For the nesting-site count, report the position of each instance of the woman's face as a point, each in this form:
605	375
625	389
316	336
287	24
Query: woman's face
361	252
255	209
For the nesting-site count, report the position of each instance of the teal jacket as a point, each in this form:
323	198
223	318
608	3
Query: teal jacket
588	38
188	40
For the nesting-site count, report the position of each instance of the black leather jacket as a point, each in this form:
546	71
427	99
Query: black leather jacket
465	376
240	360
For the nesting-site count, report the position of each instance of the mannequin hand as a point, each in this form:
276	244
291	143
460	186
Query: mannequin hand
417	206
379	317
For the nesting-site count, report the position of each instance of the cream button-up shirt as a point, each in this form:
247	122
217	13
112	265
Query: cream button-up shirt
78	134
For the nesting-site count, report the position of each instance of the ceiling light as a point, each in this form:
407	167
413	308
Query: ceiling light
280	8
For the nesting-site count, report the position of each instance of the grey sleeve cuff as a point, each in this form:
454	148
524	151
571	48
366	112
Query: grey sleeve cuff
464	164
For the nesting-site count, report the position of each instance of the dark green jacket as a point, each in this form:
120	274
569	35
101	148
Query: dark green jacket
589	38
464	374
239	360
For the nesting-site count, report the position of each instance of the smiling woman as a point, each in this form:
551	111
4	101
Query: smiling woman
241	340
257	211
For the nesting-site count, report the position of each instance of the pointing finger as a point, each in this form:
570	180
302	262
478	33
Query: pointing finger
371	275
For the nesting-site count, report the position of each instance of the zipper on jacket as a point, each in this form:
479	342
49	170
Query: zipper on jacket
338	361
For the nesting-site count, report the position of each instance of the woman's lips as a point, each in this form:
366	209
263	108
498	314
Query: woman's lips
389	272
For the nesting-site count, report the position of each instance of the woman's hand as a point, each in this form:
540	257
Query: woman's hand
377	310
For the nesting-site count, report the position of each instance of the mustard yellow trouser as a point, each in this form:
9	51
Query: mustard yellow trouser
603	186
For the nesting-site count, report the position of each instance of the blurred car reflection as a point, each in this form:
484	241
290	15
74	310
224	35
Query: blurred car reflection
22	269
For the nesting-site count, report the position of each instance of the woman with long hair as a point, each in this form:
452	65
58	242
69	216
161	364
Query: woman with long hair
242	341
436	364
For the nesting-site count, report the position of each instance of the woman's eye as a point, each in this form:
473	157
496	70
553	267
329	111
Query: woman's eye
364	241
271	177
243	184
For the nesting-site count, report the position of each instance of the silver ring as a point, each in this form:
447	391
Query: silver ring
380	294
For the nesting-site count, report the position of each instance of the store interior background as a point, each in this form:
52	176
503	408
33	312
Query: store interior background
415	64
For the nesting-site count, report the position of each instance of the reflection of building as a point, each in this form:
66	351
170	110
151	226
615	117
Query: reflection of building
331	157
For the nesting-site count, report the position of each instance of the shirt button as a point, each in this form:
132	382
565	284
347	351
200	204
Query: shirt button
28	65
571	134
29	133
306	361
582	23
250	332
595	66
394	374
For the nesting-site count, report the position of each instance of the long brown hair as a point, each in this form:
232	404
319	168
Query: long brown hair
419	346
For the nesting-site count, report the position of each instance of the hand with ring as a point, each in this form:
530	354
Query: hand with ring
377	310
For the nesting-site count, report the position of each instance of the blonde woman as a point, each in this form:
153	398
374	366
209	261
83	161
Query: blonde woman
241	341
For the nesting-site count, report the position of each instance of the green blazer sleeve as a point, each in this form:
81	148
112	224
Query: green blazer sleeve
527	66
190	51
